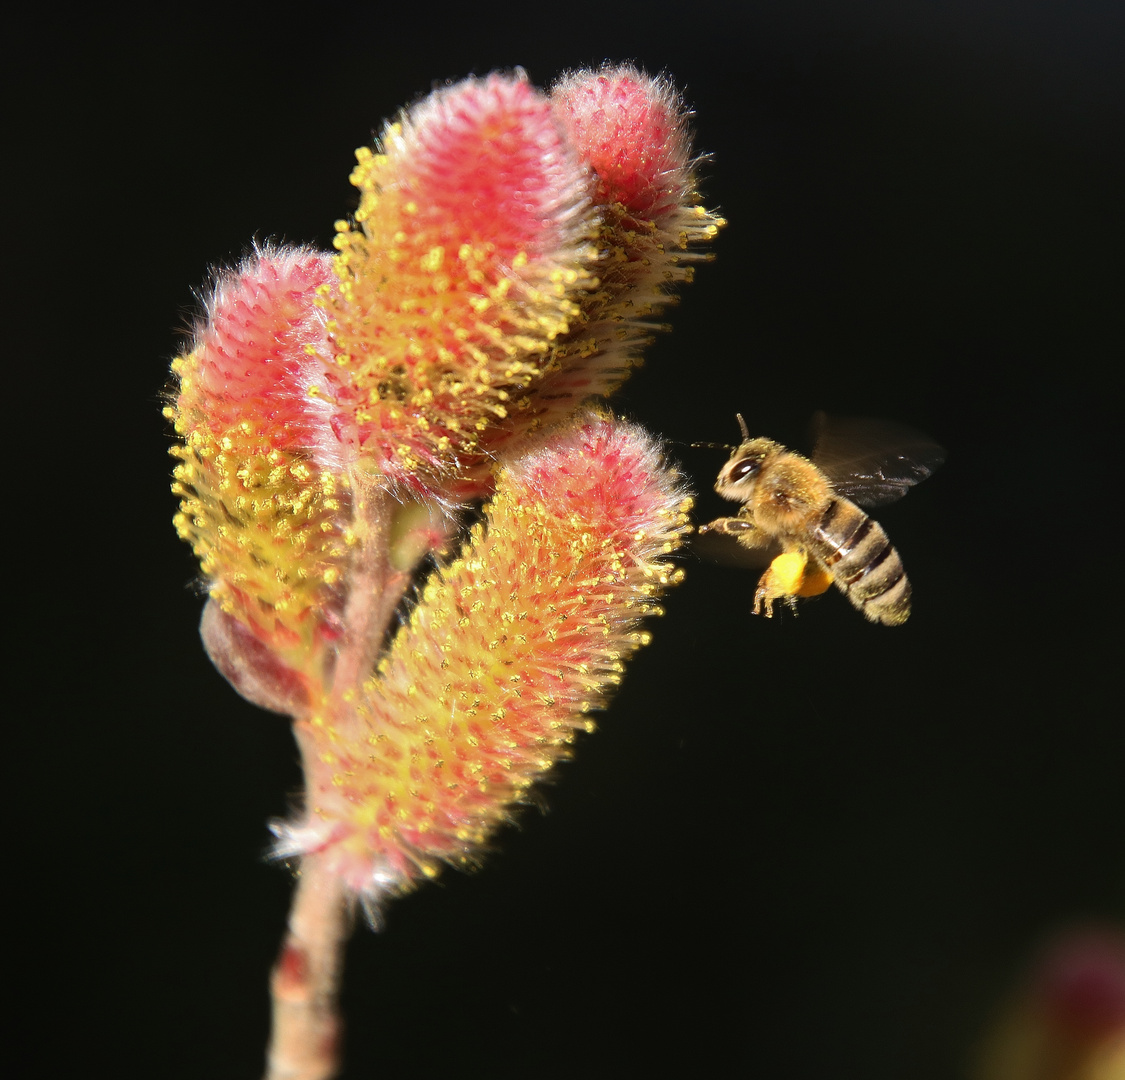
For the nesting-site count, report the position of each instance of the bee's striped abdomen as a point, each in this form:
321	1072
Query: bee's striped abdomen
863	562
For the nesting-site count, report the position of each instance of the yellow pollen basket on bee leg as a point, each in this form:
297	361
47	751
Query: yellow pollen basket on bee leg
790	575
814	580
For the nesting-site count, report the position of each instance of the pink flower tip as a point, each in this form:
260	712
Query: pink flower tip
488	163
250	356
631	130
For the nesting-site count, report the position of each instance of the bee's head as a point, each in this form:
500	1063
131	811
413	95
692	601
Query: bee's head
738	477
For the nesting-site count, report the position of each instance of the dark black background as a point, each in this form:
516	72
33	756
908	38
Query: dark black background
794	849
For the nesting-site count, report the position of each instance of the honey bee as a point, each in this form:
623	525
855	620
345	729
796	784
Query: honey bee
807	508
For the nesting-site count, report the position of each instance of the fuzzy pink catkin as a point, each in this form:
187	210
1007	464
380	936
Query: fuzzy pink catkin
462	265
508	260
506	263
264	514
508	650
630	131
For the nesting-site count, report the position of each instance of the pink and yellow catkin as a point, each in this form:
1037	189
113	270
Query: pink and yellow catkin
508	650
508	260
460	269
266	518
630	131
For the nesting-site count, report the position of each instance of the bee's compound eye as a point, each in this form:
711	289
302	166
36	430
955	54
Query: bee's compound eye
746	467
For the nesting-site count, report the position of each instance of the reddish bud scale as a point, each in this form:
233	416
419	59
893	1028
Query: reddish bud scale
502	660
262	513
468	247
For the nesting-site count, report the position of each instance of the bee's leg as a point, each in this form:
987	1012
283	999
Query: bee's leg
729	526
763	602
784	579
741	528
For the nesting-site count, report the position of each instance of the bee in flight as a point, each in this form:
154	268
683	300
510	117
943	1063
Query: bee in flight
808	509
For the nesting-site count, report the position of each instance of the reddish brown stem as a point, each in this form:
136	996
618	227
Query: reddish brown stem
307	1029
305	1041
375	589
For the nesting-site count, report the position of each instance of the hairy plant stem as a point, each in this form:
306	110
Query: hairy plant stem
305	1040
307	1028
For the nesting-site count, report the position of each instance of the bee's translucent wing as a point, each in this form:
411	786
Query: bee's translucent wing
870	461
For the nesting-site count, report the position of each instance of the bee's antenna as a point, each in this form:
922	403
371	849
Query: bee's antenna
742	424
